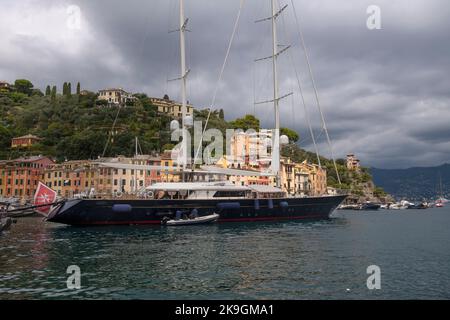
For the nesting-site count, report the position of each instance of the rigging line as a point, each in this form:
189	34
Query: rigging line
293	107
139	147
262	73
305	107
170	67
302	40
317	137
254	88
236	24
112	131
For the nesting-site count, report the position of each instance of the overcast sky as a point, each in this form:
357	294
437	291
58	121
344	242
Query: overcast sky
385	93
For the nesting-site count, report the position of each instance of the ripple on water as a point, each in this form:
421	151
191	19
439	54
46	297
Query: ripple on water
289	260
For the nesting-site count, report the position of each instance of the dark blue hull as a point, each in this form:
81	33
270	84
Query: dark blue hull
133	212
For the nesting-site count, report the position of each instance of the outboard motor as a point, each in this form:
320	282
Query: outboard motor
194	213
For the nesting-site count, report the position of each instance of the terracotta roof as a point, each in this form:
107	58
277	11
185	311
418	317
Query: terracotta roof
30	159
28	136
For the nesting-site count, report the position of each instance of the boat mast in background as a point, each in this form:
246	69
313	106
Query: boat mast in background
183	76
276	138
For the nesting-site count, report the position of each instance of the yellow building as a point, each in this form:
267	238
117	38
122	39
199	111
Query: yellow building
171	168
115	96
171	108
294	179
317	177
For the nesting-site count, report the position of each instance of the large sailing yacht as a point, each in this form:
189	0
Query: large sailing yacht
231	202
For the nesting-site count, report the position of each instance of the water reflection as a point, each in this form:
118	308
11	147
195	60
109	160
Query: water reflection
288	260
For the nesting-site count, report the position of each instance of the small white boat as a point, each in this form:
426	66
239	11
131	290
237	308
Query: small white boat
198	220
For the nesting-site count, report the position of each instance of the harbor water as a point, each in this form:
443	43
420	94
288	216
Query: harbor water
287	260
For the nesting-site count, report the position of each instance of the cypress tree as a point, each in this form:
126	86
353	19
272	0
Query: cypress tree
48	91
64	92
221	114
78	88
53	93
69	89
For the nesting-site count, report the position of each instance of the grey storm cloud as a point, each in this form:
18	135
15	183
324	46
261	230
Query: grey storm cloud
385	93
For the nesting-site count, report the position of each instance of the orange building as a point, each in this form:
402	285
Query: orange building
72	177
153	176
20	177
25	141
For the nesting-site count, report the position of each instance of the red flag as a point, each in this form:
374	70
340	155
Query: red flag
42	196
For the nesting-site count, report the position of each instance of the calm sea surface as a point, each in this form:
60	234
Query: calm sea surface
294	260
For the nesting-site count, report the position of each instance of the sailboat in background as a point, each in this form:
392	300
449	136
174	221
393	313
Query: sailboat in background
441	200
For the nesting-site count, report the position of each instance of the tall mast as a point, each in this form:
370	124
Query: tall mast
275	165
276	134
183	74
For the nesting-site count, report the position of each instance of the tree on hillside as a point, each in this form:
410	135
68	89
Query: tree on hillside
23	86
78	88
37	92
245	123
69	89
221	114
48	91
64	92
53	94
291	134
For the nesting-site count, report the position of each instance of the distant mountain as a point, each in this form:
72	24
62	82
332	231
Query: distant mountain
413	183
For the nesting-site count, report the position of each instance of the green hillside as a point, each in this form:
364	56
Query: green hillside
74	126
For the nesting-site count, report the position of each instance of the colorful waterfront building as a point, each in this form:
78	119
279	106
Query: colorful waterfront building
295	180
102	177
19	178
170	168
72	178
153	175
317	177
249	149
